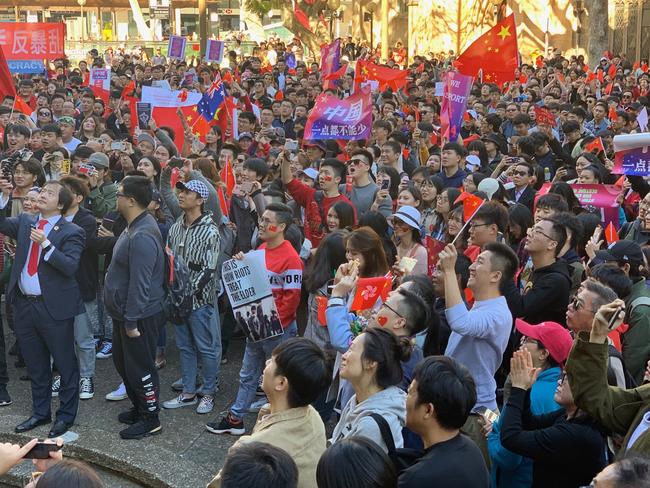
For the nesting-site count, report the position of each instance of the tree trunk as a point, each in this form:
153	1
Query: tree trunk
596	27
311	40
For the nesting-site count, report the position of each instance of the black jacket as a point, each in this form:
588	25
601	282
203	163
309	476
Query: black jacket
456	463
548	297
565	453
527	198
88	268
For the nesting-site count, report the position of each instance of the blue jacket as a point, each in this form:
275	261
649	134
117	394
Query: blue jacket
56	275
510	470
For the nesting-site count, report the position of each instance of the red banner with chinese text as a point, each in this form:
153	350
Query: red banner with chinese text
39	40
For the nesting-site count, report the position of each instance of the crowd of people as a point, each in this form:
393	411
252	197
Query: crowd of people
509	347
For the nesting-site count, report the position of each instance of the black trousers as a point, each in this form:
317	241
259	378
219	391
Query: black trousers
39	337
134	359
4	375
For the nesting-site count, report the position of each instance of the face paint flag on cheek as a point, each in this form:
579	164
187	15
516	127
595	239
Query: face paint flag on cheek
273	228
327	178
381	320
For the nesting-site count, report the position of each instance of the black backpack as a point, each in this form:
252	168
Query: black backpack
178	293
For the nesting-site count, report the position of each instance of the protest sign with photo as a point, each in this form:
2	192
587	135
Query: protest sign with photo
144	114
249	292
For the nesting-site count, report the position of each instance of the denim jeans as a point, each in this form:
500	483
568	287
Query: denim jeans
255	356
200	340
83	339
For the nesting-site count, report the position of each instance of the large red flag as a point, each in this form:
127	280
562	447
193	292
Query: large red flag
495	52
228	178
387	77
7	86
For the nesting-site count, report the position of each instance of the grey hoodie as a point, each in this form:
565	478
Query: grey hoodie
356	420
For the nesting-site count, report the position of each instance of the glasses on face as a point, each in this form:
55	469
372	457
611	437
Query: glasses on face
536	230
442	198
356	162
578	305
44	114
392	310
473	226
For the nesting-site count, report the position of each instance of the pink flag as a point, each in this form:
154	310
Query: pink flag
329	62
333	118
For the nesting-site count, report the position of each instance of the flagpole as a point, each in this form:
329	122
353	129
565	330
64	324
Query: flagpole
467	223
13	106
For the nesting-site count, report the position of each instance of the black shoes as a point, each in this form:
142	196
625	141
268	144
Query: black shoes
129	417
144	427
59	427
31	423
5	399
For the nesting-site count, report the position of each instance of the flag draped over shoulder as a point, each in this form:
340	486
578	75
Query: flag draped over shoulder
495	53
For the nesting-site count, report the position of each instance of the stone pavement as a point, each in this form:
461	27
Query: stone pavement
184	455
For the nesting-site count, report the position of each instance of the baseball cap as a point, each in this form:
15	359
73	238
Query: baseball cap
622	252
195	186
309	172
409	215
66	119
319	144
245	135
556	339
472	161
99	160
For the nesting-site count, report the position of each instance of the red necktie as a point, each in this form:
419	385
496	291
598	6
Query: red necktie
32	265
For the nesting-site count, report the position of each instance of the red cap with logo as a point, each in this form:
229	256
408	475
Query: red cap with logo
555	338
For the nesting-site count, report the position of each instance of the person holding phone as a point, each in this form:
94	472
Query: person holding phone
103	192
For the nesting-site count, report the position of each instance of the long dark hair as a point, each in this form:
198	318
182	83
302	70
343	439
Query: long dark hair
377	222
330	254
365	241
345	212
70	473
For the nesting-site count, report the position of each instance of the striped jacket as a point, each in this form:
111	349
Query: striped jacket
198	245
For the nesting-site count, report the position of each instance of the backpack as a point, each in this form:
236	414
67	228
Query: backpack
178	293
402	458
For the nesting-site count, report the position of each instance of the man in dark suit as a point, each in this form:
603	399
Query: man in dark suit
523	177
46	298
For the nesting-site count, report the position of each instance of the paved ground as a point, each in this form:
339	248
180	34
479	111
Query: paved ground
185	454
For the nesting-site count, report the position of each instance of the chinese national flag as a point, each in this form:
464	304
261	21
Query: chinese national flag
610	233
387	77
434	246
600	76
420	68
279	95
595	146
612	71
590	75
495	52
301	16
612	114
368	292
222	201
228	178
544	116
7	87
128	89
471	204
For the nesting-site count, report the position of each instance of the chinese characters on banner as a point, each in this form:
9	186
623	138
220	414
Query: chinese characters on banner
39	40
632	162
332	118
214	51
602	197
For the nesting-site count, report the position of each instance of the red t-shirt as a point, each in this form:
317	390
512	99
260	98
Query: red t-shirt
314	215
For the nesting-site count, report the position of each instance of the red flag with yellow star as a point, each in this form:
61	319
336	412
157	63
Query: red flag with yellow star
495	53
387	77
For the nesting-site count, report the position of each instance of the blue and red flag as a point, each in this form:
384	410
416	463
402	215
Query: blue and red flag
330	55
212	100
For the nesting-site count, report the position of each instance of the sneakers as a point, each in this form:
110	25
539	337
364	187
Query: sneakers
205	405
56	385
117	395
105	351
257	405
86	388
130	417
179	402
142	428
228	425
5	399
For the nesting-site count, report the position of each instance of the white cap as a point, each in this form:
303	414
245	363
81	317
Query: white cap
472	161
309	172
409	215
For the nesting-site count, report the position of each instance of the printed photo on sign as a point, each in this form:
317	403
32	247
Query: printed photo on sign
249	291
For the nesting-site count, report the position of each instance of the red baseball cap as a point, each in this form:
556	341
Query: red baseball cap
556	339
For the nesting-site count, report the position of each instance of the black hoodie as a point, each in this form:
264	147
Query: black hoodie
546	298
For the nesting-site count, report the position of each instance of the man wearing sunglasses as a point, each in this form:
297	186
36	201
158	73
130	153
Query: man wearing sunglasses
363	190
523	178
